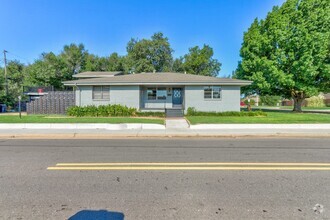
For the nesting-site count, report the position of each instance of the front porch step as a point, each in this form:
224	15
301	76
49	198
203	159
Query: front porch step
174	113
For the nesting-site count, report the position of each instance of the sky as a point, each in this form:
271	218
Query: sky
29	28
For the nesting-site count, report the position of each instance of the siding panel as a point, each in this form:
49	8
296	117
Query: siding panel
230	99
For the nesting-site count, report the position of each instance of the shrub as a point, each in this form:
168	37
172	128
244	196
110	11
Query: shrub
270	100
316	101
192	112
252	102
101	111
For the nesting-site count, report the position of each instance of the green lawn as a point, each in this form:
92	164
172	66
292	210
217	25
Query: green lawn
64	119
290	107
271	118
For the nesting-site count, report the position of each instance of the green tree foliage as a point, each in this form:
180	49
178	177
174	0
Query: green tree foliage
147	55
178	65
270	100
74	57
288	53
200	61
116	62
15	76
112	63
49	70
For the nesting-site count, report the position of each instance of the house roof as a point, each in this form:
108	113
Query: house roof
93	74
164	78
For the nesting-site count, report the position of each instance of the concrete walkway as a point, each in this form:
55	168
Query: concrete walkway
158	133
176	123
176	127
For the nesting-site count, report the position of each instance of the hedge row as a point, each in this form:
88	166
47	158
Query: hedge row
109	111
193	112
101	111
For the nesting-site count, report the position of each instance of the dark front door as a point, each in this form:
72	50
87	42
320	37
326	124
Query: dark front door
177	96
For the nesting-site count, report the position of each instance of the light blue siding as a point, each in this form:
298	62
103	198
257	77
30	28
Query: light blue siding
132	96
123	95
230	99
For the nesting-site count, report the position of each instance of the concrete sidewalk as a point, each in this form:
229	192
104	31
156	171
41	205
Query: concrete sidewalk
229	130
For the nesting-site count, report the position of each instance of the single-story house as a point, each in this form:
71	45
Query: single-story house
158	91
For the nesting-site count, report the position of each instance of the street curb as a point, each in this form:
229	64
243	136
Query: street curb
143	126
260	126
137	135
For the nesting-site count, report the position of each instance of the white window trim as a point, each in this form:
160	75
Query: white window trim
212	90
156	99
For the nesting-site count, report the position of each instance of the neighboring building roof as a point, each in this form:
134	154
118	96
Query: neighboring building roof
94	74
164	78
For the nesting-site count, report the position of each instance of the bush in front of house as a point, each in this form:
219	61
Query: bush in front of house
316	101
192	112
270	100
101	111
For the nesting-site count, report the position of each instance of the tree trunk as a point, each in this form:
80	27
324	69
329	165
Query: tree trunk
297	104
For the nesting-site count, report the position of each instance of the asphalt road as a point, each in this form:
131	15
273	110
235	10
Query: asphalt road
28	190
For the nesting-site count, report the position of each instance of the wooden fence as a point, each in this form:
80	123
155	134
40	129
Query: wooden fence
52	103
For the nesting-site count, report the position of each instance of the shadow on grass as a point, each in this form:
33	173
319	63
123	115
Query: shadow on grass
97	215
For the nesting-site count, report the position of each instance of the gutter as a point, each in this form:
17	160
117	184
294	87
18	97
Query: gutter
160	83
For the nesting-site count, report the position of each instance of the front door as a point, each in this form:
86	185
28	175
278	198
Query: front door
177	96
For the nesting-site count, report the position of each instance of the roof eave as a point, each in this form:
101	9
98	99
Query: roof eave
156	83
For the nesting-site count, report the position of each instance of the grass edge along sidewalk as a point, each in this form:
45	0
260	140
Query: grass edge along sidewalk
271	118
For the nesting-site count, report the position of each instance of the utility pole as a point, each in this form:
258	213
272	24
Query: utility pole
6	78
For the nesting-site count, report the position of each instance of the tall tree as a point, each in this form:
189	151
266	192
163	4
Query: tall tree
49	70
147	55
115	62
178	65
287	54
200	61
75	57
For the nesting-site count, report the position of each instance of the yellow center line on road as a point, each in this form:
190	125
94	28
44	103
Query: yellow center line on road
191	166
188	168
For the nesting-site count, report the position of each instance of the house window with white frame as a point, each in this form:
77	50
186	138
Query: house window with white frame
161	93
212	92
157	93
101	92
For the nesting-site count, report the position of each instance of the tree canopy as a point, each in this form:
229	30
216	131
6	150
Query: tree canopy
200	61
149	55
145	55
288	53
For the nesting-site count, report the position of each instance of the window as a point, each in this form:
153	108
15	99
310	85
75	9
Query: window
151	92
161	93
101	92
157	93
212	92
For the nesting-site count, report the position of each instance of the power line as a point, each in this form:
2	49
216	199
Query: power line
18	56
